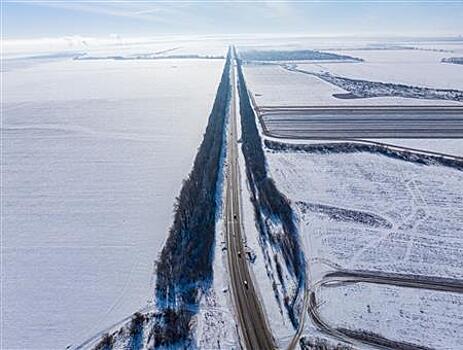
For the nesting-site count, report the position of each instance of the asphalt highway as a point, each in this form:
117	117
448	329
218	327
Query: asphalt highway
253	326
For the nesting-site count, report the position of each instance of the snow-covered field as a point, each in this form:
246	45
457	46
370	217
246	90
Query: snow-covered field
352	43
426	318
367	211
448	146
409	67
398	64
95	152
99	46
370	212
94	155
417	211
272	85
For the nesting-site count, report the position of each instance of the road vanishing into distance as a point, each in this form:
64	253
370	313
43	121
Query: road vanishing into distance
253	326
339	123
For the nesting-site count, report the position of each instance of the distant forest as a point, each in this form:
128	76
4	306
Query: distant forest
296	55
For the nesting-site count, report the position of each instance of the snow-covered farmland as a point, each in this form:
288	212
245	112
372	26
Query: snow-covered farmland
273	85
94	155
364	211
409	67
419	210
112	45
449	146
427	318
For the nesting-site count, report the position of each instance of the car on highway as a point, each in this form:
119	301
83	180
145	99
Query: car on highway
246	285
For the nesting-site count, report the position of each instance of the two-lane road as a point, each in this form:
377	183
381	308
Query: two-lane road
253	327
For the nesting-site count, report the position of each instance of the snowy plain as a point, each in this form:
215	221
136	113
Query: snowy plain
452	147
413	211
94	155
417	209
98	149
397	216
426	318
273	85
409	67
413	227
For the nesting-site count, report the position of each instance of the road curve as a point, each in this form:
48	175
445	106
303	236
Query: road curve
253	326
400	280
295	340
340	277
353	339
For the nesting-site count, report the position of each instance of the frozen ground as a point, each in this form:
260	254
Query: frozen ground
449	146
347	123
94	155
421	317
367	211
113	45
409	67
452	147
419	210
272	85
395	64
346	43
370	212
98	149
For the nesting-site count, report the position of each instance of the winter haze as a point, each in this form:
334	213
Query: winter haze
231	175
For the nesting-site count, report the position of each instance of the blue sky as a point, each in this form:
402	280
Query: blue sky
33	19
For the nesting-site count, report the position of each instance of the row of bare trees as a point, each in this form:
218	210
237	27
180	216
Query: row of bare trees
184	269
353	147
269	203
